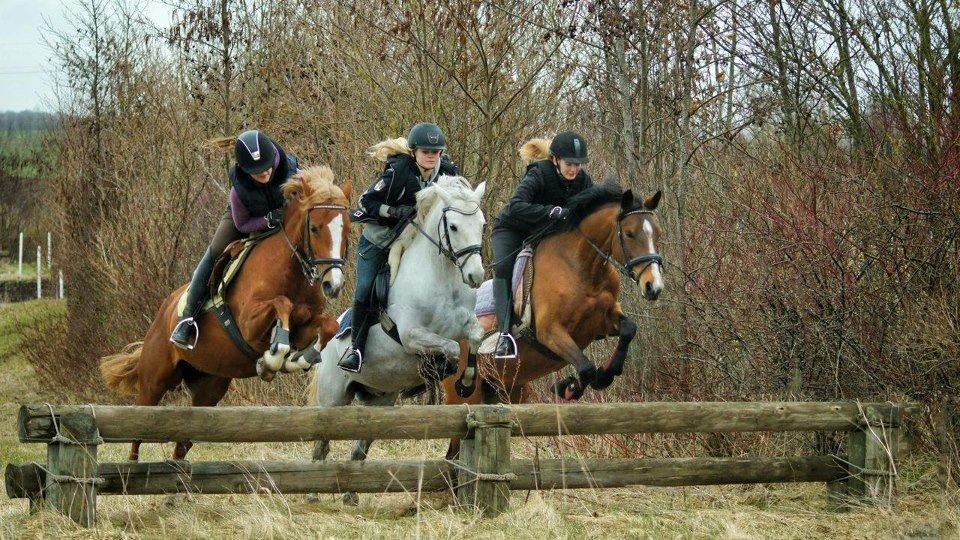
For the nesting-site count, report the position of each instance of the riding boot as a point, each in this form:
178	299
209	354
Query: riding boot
363	319
186	333
503	302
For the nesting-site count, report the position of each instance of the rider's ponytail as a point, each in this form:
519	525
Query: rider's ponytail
384	149
535	150
221	143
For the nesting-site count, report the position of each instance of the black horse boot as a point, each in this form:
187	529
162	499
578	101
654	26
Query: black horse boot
363	319
503	302
186	333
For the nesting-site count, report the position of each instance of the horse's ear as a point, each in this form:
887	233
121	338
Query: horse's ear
480	190
626	201
347	189
652	202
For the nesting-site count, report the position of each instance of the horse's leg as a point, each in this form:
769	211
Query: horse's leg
627	330
308	340
330	387
257	321
158	373
206	391
362	447
419	340
557	339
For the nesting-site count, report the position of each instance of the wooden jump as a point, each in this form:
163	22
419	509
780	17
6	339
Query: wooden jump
72	477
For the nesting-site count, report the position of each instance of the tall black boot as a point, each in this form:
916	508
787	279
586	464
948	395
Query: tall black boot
186	333
503	302
363	319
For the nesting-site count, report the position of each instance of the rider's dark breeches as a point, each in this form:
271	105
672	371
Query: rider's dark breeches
506	244
197	293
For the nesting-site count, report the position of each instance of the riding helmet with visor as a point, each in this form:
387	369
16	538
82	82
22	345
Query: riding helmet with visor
254	151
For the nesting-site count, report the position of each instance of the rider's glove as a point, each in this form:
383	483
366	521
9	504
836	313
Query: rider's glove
559	213
402	213
274	219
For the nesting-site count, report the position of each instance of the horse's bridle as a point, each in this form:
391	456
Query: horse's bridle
309	263
448	251
626	268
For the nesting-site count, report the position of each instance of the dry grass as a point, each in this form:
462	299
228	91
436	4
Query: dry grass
781	511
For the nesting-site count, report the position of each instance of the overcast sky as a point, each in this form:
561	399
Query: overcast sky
25	69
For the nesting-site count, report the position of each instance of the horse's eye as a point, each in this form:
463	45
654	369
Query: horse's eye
453	228
314	229
630	234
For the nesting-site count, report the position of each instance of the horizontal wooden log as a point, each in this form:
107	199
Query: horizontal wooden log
431	475
280	424
610	473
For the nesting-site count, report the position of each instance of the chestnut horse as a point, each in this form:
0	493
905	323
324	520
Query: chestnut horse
277	300
574	298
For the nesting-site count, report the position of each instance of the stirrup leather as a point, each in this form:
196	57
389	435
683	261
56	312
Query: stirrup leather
506	336
196	333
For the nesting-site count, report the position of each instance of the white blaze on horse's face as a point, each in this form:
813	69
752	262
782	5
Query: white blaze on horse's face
333	280
656	280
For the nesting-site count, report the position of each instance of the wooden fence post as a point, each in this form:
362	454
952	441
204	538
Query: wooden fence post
71	483
873	457
483	481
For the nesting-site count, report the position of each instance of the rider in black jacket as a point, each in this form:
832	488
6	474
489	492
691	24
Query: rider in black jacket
539	200
412	164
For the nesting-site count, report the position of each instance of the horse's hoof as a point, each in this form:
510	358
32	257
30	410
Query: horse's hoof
351	499
264	373
273	359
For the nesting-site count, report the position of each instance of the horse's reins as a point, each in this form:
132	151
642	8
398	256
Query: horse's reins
627	267
310	263
454	256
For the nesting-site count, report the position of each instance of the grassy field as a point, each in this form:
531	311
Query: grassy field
8	270
760	511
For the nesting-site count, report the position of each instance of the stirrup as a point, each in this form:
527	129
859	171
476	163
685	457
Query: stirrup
196	334
347	353
505	336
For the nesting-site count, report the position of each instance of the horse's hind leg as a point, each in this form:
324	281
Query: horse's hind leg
158	373
362	447
206	391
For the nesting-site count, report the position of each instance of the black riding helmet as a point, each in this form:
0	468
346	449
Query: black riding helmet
427	136
569	146
254	151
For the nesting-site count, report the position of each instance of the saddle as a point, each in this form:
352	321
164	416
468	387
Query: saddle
225	271
522	302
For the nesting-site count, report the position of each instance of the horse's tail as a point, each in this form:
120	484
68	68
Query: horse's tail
119	370
535	150
313	393
384	149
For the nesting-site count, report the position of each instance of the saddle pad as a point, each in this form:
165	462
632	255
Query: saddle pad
485	305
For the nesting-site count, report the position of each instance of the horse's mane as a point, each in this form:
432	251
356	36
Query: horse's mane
384	149
314	185
589	201
457	187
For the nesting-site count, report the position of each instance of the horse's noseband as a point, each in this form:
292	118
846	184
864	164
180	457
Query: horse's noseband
309	263
443	233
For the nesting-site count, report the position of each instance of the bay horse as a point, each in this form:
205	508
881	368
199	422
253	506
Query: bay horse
575	289
436	266
277	299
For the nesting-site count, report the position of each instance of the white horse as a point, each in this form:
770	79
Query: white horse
431	302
